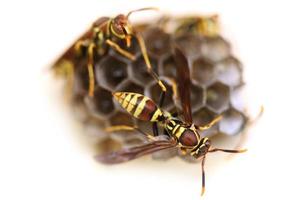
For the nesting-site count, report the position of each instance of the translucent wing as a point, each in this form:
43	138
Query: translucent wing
183	83
135	152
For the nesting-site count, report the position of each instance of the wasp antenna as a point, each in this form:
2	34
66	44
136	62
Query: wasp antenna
228	150
141	9
203	176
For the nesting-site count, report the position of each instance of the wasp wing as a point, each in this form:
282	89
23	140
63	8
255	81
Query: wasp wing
183	83
135	152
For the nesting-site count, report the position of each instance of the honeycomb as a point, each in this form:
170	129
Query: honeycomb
216	75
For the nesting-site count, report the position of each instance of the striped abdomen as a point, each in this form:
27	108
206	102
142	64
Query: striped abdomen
139	106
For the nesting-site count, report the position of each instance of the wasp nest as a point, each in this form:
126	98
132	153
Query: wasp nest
216	84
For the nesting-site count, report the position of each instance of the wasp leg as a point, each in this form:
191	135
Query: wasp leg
210	124
90	65
91	69
120	50
147	61
154	125
79	45
161	102
155	129
128	128
174	89
65	66
154	75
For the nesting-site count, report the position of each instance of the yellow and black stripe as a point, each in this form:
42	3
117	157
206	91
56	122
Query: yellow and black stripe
186	137
139	106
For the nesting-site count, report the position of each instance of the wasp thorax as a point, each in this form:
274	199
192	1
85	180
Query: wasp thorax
189	138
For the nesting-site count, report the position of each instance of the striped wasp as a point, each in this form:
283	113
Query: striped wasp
104	33
182	134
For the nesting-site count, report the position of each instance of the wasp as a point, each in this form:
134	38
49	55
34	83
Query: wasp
206	25
103	34
178	133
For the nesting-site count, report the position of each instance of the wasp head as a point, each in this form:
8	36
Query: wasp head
121	28
202	149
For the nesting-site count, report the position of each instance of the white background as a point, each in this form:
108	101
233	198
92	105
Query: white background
41	158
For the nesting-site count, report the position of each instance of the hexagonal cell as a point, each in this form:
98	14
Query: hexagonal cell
154	91
232	122
141	27
229	71
138	70
173	110
148	127
217	97
128	138
237	98
134	47
129	86
190	45
101	104
203	72
204	116
81	79
168	68
121	118
215	49
157	41
144	126
79	108
110	72
197	97
94	128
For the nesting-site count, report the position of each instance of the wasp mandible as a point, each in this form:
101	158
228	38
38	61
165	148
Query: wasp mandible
178	133
104	33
